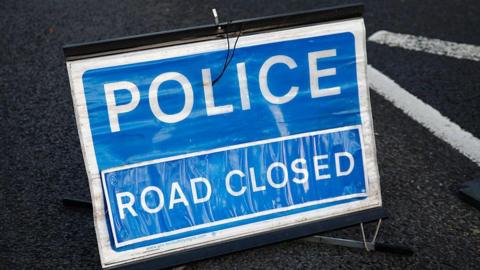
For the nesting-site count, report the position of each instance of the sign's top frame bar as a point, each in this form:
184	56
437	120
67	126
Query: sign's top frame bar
208	32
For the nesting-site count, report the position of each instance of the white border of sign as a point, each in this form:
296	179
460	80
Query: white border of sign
77	68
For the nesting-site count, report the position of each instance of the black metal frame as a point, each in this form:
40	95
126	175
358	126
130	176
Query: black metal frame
209	32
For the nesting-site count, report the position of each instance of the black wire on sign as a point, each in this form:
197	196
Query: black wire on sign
228	57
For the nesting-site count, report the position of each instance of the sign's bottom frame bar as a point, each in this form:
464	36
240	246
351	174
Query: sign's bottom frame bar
258	240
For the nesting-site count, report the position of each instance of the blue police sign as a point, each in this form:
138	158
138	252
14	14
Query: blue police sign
184	148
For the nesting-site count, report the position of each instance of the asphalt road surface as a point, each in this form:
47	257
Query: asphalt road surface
41	158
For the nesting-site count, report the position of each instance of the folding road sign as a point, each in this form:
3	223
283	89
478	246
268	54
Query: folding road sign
197	145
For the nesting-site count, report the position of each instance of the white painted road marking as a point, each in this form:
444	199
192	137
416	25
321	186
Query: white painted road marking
426	115
423	44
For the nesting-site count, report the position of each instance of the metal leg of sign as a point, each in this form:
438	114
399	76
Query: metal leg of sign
364	244
76	203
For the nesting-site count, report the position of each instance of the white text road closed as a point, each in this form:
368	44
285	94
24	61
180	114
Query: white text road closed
252	187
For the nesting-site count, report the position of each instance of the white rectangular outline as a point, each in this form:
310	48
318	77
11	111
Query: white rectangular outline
110	258
244	217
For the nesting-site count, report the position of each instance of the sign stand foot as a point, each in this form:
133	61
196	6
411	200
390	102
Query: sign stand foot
364	244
